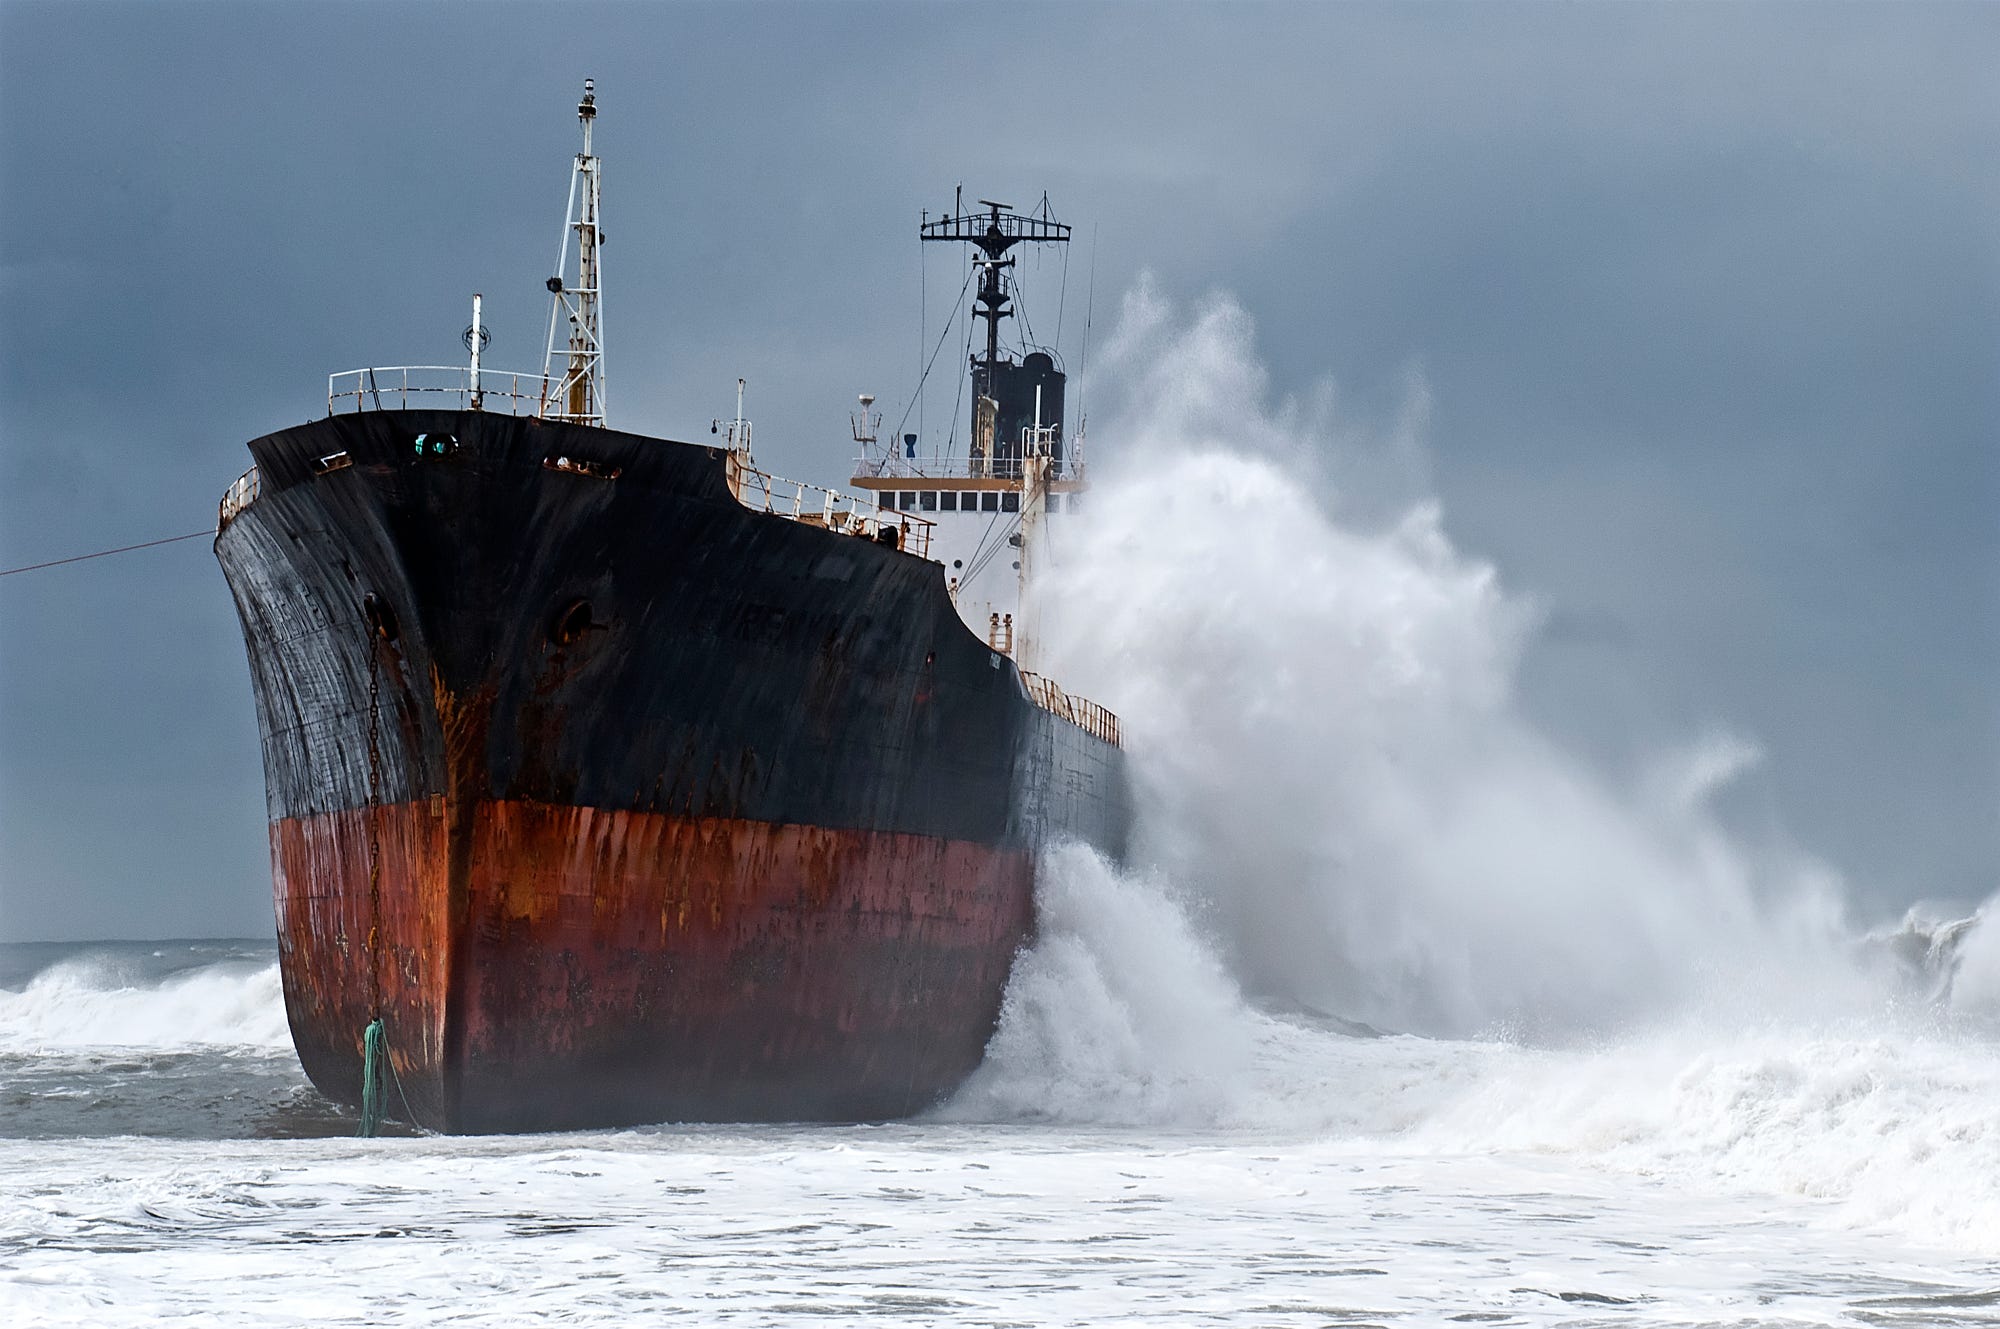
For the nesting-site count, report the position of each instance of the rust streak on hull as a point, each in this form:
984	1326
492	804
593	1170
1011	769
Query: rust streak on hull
607	967
682	811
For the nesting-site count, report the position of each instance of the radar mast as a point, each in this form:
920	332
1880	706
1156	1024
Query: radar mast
993	233
578	395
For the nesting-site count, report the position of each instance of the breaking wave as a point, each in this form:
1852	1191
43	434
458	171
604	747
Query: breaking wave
1347	825
101	1002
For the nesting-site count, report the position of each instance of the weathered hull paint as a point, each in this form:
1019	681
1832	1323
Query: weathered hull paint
749	835
618	967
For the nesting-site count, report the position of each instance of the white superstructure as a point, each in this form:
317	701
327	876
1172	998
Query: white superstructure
992	522
1000	508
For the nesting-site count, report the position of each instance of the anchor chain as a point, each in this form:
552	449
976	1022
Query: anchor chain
374	831
374	1041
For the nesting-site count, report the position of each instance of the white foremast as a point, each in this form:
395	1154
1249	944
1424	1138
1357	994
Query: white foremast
576	392
1002	504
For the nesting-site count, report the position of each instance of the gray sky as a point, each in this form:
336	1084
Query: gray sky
1707	299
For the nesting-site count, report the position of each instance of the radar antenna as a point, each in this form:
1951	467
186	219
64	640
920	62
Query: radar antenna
578	394
994	232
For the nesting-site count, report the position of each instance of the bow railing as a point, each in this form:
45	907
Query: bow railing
238	497
435	387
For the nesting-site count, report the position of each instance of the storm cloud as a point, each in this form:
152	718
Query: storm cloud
1703	303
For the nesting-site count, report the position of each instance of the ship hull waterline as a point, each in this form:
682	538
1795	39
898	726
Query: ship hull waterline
619	803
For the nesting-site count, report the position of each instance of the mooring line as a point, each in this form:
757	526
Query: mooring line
105	553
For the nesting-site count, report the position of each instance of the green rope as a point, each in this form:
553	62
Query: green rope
374	1058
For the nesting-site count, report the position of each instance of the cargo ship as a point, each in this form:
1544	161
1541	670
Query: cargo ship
612	779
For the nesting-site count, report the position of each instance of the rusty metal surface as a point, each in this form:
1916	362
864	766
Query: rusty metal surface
561	708
618	967
320	879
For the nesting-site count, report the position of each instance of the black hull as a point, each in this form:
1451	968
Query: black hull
522	722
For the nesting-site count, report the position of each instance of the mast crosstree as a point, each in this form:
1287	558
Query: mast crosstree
994	232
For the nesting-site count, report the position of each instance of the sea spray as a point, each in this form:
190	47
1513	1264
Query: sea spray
1334	773
1118	1013
1121	1014
105	1001
1973	969
1348	825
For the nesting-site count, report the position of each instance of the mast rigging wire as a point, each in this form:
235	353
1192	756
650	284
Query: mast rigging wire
923	333
980	560
951	440
1089	308
925	378
1062	298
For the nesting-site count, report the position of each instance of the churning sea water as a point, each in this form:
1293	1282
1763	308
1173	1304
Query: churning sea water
1402	1014
166	1162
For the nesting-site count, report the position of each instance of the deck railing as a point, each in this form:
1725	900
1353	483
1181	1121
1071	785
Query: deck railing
956	468
438	387
238	497
833	509
393	388
1085	715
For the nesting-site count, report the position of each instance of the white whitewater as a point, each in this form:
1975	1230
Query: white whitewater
1404	1013
94	1002
1345	814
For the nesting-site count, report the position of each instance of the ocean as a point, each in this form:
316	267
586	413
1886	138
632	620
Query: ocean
1403	1012
167	1162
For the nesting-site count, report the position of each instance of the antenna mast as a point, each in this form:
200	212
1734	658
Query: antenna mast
993	233
578	395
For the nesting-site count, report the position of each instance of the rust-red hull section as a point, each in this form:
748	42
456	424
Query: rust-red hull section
656	807
570	966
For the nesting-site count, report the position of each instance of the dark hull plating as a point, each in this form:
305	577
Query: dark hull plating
621	802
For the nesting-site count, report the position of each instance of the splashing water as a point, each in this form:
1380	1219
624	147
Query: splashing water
1347	824
1333	771
107	1000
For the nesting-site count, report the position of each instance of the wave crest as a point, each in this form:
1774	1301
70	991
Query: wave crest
93	1002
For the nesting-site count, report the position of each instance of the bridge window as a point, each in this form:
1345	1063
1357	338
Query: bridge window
989	502
1010	501
1055	502
927	500
948	500
909	500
